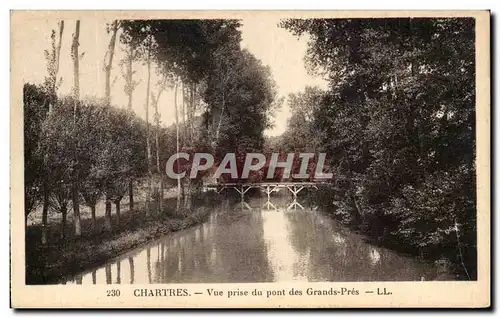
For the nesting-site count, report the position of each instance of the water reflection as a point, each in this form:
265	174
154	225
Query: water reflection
294	205
260	240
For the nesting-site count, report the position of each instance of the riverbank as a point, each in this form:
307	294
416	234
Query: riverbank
48	264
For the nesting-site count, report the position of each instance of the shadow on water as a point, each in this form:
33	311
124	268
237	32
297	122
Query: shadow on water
260	240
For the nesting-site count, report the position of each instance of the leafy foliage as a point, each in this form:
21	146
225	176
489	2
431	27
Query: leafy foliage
398	122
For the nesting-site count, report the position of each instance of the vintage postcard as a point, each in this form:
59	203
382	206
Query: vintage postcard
250	159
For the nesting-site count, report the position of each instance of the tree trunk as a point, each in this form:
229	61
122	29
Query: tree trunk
129	79
148	145
117	206
187	196
162	188
108	274
149	194
76	210
193	110
58	54
186	193
457	235
160	194
157	139
183	111
76	92
94	222
217	132
64	212
358	214
76	61
118	273
178	202
131	194
56	65
188	140
129	89
109	63
148	264
107	216
177	142
45	212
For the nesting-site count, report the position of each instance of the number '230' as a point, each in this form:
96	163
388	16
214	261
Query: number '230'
113	292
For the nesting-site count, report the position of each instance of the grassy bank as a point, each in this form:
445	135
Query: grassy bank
61	257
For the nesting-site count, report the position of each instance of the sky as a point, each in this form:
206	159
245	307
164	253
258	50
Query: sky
275	47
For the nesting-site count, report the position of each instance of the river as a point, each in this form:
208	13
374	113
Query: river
260	241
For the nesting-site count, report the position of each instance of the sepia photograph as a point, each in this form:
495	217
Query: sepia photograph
188	149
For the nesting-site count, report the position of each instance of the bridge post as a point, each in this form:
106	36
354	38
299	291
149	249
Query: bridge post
293	189
221	189
238	190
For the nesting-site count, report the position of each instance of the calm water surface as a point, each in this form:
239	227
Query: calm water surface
260	241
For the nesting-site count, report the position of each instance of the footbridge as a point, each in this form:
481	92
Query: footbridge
267	187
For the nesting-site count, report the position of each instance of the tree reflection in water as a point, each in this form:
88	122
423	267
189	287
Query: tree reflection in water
261	240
